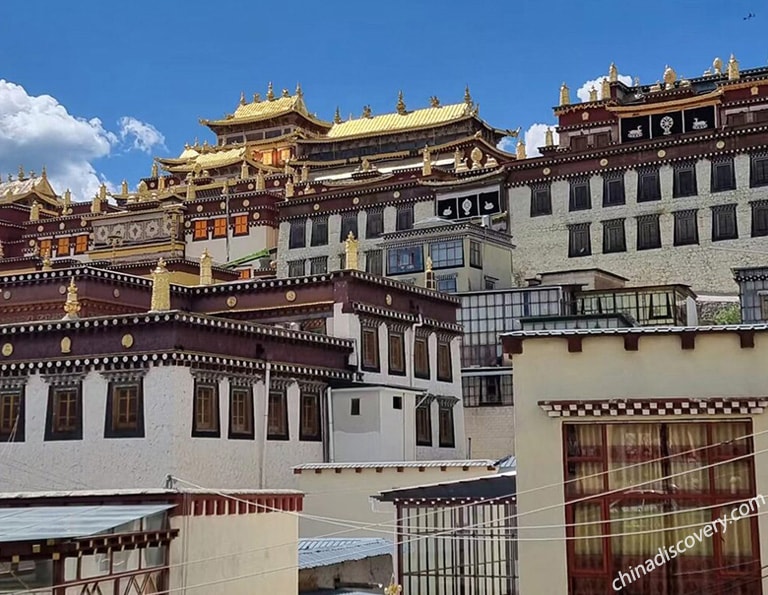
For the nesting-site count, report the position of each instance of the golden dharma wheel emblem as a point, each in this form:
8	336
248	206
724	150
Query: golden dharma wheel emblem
246	203
83	223
199	208
62	289
720	144
603	162
662	153
127	341
396	194
290	295
7	349
66	345
356	200
388	299
222	205
316	207
231	301
6	295
256	216
546	171
251	186
40	228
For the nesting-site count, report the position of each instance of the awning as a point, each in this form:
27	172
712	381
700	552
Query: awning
63	522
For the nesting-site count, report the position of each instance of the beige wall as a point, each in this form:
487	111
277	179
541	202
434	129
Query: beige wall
492	430
717	367
347	495
542	242
264	545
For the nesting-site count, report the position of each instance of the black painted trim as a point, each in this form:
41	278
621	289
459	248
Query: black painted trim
109	430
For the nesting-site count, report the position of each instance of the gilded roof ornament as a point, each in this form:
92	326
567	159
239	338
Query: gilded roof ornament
467	96
34	212
161	288
299	92
242	97
351	252
286	93
426	167
367	111
72	304
206	268
337	116
670	76
365	165
154	172
717	65
124	187
244	171
592	93
270	92
613	73
22	177
434	101
605	89
190	187
47	261
400	106
520	153
733	68
305	173
289	188
549	138
44	174
261	183
565	98
2	250
103	191
257	97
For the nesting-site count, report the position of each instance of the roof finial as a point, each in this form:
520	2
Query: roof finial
44	174
400	104
153	173
299	92
47	261
733	68
520	149
67	198
72	305
242	97
270	92
206	268
549	138
434	101
367	111
467	96
124	187
613	73
21	173
670	76
161	288
337	116
257	98
350	252
426	166
286	93
717	65
565	98
34	212
592	93
606	89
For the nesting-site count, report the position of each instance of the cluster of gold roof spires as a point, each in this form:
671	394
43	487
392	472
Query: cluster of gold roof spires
22	176
271	94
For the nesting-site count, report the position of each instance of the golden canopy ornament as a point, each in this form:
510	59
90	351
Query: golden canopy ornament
351	252
400	106
520	152
426	167
393	588
161	288
206	268
565	98
72	304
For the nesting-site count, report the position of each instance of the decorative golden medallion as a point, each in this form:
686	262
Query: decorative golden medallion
754	90
662	153
7	349
199	208
127	341
546	171
290	295
222	205
396	194
40	228
66	345
316	207
61	225
388	299
720	144
187	224
603	162
62	289
356	201
6	295
256	216
83	223
231	301
585	116
251	186
246	203
116	292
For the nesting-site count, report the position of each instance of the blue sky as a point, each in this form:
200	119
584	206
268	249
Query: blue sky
134	77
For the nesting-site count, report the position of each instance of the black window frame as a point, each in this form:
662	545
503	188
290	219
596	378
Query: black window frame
394	336
648	232
576	202
317	434
759	218
421	347
51	433
723	175
379	254
614	236
682	227
446	440
215	431
758	171
446	248
348	224
319	234
280	395
447	284
423	421
354	407
614	194
416	254
322	268
295	263
722	216
374	224
648	185
541	200
575	231
444	368
16	430
237	433
374	332
475	254
404	218
110	428
297	235
682	185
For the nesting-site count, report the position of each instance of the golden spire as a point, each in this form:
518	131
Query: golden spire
161	288
299	92
44	174
67	197
289	188
350	252
261	183
124	187
206	268
257	98
305	173
47	261
286	93
593	93
270	92
72	305
244	171
717	65
434	101
606	89
549	138
733	68
367	111
670	76
520	149
34	212
426	167
190	187
400	104
154	172
565	98
21	173
613	73
467	96
337	116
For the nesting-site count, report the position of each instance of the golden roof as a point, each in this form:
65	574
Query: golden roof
256	111
210	160
420	118
13	190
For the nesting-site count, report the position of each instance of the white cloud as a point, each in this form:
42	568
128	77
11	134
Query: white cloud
38	131
533	138
583	92
145	136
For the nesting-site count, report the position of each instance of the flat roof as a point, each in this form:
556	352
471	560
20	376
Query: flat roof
397	464
496	486
637	330
37	523
8	497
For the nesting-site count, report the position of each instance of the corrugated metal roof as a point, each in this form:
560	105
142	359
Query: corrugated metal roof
62	522
420	118
641	330
139	492
325	552
396	464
